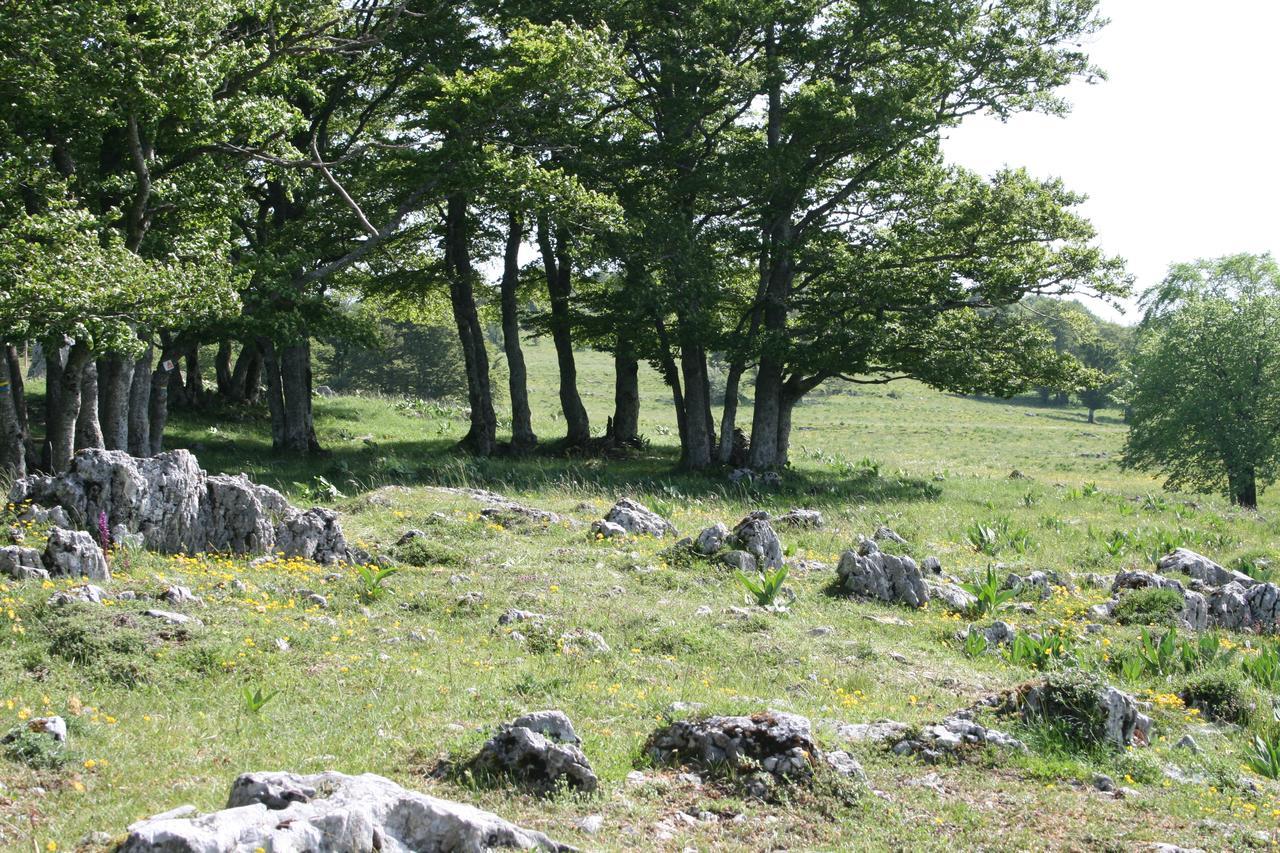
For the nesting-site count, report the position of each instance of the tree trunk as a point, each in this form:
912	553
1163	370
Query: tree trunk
625	425
62	421
88	428
765	424
194	389
18	392
253	377
115	385
275	393
13	439
481	439
523	438
1091	418
36	357
558	265
786	406
222	369
140	406
1244	488
699	432
158	405
295	383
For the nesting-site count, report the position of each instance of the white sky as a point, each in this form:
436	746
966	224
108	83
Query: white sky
1178	150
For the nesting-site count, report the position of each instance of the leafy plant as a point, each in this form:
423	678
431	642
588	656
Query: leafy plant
765	586
1207	651
372	581
1132	667
975	643
1159	656
255	699
983	538
1263	756
1264	667
1039	652
989	591
319	489
1218	694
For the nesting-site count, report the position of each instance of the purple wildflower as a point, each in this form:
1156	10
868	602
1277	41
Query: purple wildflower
104	532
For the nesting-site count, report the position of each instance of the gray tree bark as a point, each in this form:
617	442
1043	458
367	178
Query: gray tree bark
523	438
139	401
558	266
13	439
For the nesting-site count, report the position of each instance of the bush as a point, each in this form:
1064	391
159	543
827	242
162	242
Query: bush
1070	701
424	553
1150	606
1218	695
37	750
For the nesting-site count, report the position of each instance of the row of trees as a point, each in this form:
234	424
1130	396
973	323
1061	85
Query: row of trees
760	182
1104	347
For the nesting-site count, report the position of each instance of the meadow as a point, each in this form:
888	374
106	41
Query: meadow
409	683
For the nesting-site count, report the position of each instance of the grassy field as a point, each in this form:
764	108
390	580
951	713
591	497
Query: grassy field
395	685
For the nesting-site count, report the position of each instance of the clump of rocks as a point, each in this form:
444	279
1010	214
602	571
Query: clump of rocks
1214	597
330	813
752	546
871	573
176	507
538	751
1087	708
630	517
933	742
768	747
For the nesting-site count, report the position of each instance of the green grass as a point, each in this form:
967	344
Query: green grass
394	683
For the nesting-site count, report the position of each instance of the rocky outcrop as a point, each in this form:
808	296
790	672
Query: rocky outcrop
21	563
1090	709
711	539
637	519
756	536
177	508
1195	615
956	598
957	732
74	554
1201	568
804	518
536	751
331	813
779	743
1253	608
871	573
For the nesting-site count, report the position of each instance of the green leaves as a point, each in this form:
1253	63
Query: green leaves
764	588
987	589
372	582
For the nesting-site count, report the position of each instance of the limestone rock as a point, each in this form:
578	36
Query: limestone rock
997	633
711	539
782	744
21	563
1195	614
74	553
553	724
85	594
954	597
54	727
608	529
740	560
884	533
871	573
177	508
529	752
1201	568
755	535
638	519
1119	722
332	813
1240	608
879	732
807	518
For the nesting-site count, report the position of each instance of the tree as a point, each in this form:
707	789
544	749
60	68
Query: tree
1205	398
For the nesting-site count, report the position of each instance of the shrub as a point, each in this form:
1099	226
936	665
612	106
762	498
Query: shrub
1150	606
1069	700
37	750
1218	694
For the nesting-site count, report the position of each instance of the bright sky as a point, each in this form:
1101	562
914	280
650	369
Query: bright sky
1179	150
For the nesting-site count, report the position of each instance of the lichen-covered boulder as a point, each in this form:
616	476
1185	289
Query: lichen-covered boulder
781	744
1245	608
755	535
637	519
871	573
1201	568
804	518
74	554
332	813
711	540
539	752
